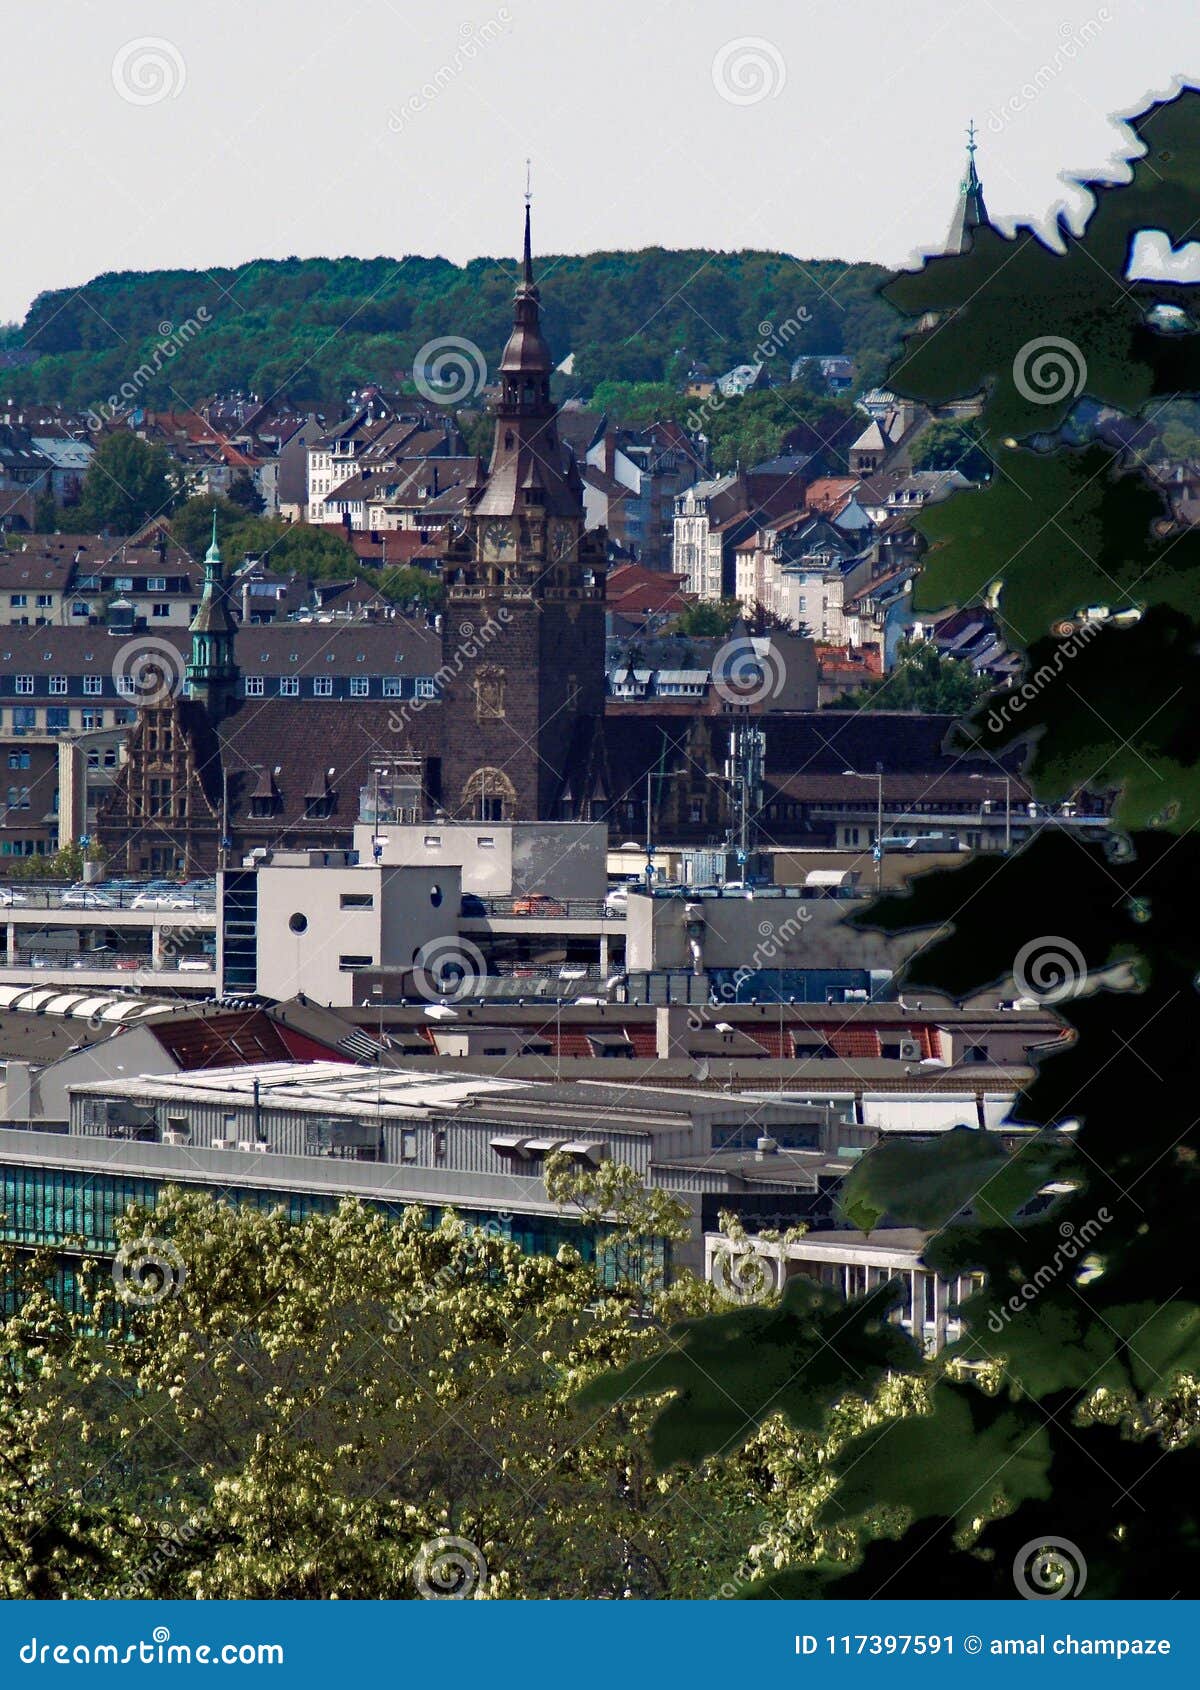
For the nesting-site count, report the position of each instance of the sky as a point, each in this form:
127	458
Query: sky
144	134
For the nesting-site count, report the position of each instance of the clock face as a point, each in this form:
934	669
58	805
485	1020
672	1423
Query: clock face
497	539
562	540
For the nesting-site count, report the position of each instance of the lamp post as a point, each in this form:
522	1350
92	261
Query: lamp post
563	974
649	835
877	853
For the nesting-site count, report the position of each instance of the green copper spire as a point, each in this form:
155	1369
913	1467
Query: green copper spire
970	212
211	669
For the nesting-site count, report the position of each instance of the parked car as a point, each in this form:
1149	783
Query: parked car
88	898
617	901
131	964
539	904
471	905
161	899
9	897
194	965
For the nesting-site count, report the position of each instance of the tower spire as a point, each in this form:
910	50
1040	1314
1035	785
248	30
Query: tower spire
970	213
528	236
211	668
213	554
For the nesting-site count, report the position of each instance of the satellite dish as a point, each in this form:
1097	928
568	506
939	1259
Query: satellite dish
701	1070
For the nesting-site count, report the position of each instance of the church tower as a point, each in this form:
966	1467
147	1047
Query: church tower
523	627
970	213
211	669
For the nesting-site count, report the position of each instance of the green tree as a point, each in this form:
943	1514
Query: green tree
191	523
307	329
707	620
293	1410
953	445
243	492
922	679
315	551
46	514
128	481
407	585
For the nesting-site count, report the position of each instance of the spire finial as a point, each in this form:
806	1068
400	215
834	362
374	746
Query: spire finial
528	237
214	551
971	137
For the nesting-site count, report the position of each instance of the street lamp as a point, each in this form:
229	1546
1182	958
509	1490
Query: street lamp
878	851
563	974
986	807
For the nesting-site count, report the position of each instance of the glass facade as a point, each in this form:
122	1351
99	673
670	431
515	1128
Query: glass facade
76	1212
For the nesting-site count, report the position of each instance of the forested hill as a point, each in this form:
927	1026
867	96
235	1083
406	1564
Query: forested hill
315	327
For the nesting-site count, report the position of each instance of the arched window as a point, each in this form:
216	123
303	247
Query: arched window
489	796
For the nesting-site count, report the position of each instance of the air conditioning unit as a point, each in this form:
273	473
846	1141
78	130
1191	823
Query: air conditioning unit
172	1135
252	1144
223	1144
910	1050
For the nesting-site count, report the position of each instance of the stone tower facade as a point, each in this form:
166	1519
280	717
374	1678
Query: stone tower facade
522	681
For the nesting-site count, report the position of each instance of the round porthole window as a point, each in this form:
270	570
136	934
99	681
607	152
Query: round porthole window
298	923
435	896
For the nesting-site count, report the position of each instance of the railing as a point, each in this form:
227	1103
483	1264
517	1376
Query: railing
794	894
124	962
96	900
538	906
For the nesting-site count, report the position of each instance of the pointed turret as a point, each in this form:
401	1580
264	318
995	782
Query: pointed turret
970	213
211	669
527	473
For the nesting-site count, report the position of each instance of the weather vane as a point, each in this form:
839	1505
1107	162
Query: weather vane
528	182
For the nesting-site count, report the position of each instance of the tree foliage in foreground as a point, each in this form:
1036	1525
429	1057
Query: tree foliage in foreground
315	1402
1068	1411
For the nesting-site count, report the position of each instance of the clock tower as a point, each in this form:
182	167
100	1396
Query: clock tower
523	628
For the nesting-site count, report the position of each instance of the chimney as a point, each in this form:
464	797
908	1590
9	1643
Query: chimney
18	1093
671	1028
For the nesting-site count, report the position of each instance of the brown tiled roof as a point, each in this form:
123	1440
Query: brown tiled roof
271	746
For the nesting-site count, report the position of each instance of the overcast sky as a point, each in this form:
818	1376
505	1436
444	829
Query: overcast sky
140	135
